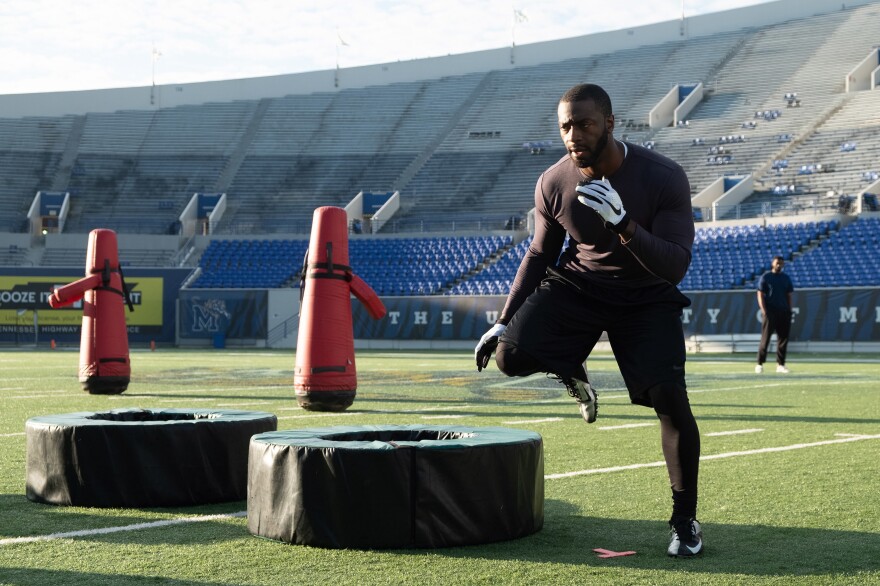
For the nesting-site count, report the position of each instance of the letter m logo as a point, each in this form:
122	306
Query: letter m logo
848	314
204	320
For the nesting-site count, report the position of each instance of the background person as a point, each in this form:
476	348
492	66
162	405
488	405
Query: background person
774	298
627	211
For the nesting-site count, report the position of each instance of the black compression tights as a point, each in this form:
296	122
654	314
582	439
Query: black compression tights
679	434
514	362
680	439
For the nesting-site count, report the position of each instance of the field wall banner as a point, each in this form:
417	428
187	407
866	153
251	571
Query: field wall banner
820	315
24	305
234	313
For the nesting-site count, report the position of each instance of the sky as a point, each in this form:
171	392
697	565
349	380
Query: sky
64	45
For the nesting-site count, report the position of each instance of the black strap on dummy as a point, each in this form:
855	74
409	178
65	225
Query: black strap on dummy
329	266
302	277
344	275
127	293
105	282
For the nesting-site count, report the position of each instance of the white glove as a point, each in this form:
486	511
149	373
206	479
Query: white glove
487	345
600	196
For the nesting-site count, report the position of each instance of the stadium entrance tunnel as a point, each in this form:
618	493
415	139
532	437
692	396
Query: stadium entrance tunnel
141	457
390	486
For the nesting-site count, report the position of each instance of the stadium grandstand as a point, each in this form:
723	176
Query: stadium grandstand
773	110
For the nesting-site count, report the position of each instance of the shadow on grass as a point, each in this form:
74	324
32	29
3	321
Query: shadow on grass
40	577
757	550
567	537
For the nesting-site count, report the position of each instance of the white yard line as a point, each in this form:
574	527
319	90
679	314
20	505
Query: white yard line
187	400
626	426
423	409
220	390
758	385
444	416
135	527
854	438
38	394
733	432
846	438
318	415
526	421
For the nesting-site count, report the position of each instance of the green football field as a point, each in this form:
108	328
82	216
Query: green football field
789	478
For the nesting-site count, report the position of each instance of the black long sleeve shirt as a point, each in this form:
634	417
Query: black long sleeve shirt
656	195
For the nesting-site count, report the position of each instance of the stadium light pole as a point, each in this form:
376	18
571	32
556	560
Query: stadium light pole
155	57
518	16
681	28
340	42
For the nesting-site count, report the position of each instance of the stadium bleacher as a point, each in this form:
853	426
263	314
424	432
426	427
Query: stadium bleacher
819	254
392	266
847	258
453	148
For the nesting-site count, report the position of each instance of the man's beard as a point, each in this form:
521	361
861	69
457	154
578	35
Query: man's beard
596	152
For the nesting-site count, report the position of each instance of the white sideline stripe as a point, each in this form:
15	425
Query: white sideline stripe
37	395
627	426
135	527
735	432
603	393
397	411
219	389
423	409
189	399
714	456
11	434
318	415
525	421
444	416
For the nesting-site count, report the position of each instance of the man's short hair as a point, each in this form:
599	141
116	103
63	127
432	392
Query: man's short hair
779	258
589	91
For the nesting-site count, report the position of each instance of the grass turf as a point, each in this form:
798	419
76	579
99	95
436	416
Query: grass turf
788	484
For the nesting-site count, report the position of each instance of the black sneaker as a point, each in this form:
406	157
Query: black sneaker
585	395
686	537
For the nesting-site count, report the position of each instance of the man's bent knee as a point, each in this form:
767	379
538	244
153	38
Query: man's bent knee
514	362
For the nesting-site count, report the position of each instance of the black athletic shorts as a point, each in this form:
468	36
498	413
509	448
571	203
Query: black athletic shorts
561	321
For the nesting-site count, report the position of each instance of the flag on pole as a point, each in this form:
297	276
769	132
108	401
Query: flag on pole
520	15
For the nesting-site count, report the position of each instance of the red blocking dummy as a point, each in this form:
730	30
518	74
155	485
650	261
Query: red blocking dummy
104	365
325	378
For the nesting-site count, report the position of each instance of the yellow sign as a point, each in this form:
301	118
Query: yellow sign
19	296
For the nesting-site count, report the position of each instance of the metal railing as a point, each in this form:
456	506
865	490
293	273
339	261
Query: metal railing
766	209
288	327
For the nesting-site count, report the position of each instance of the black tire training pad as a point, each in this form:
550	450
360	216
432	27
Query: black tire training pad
387	486
141	457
